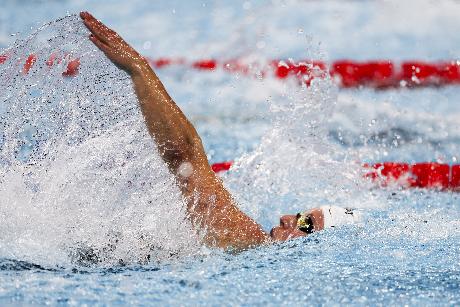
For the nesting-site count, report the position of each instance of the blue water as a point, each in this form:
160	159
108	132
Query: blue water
363	266
406	251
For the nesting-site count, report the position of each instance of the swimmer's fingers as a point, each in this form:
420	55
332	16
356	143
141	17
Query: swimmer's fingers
116	56
101	31
102	46
97	31
101	25
113	46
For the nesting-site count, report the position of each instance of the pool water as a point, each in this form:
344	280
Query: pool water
90	215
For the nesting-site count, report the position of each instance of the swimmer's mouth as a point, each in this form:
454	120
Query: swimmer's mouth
305	223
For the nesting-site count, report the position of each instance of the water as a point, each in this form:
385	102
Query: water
90	214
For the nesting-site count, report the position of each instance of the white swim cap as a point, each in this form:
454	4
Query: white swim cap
336	216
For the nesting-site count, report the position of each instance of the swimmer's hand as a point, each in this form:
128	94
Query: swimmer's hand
113	46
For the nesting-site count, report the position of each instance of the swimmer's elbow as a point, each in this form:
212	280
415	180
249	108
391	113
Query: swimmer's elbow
186	150
175	155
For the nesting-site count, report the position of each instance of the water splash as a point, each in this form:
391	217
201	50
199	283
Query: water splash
296	167
80	177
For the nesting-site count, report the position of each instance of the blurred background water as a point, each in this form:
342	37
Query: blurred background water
285	140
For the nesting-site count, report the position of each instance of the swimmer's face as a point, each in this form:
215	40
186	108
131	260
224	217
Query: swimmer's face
288	228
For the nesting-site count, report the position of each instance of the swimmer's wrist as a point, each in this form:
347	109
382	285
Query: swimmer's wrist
140	68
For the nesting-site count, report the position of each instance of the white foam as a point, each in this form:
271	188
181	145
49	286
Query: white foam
80	172
296	167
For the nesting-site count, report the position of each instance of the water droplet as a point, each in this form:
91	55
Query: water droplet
147	45
247	5
260	45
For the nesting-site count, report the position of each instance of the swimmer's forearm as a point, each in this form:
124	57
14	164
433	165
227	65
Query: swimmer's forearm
176	138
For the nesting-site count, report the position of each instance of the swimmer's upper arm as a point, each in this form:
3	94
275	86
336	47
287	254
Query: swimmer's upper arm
213	209
209	204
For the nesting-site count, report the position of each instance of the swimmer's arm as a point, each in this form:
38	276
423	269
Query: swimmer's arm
175	136
209	204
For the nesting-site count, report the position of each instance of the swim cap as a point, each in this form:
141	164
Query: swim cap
336	216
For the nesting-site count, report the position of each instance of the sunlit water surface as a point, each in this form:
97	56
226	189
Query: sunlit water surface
89	213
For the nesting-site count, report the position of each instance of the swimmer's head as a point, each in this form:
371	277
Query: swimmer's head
299	225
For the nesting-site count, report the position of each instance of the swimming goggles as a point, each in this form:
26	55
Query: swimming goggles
304	223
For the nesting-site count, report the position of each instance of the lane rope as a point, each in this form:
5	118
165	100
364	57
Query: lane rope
428	175
71	69
379	74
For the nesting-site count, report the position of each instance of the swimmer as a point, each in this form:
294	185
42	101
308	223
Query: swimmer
210	206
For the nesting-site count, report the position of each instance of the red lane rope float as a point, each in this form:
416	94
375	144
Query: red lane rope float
205	64
385	73
419	175
428	175
31	59
378	74
71	68
221	167
163	62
